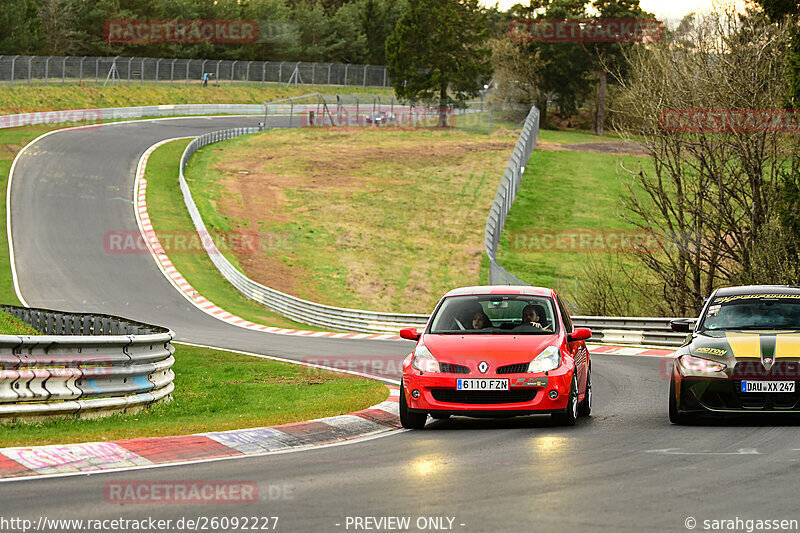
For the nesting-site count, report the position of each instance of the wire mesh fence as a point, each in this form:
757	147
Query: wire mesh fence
59	70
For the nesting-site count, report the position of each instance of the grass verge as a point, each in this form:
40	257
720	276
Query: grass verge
567	194
217	391
25	99
170	219
10	325
376	218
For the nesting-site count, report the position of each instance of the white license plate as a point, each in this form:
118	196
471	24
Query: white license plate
482	384
767	386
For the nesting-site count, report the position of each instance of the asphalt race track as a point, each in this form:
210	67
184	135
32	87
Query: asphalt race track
624	469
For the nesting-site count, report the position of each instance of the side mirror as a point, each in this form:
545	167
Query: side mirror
580	334
410	334
681	325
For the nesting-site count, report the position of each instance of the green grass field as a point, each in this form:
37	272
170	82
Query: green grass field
10	325
376	218
216	391
575	197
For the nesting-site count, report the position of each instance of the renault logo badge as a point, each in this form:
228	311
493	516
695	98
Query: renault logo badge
483	367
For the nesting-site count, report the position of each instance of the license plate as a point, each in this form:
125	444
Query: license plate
482	384
767	386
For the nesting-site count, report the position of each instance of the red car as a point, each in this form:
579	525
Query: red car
497	351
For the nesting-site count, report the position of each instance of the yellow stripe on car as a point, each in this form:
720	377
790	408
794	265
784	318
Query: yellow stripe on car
787	345
744	345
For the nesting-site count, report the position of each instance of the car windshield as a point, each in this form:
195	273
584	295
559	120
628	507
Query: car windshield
495	314
769	311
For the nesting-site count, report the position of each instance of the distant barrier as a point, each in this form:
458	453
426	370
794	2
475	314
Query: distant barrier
87	365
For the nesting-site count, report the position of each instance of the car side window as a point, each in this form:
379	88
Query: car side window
564	315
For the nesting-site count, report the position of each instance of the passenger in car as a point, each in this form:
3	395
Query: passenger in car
531	315
480	320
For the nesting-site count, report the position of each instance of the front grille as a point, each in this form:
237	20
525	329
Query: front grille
513	369
729	395
780	371
453	369
483	397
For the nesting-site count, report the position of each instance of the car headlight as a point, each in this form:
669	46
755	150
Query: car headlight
699	364
548	359
424	360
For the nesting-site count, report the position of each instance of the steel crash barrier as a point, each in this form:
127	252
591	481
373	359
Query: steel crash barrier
618	330
81	364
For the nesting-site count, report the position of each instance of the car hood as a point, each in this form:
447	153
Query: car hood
496	350
749	353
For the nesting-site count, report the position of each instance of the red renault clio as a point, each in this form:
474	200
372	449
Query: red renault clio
497	351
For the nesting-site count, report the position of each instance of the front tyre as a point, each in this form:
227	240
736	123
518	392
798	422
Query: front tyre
408	419
585	407
570	414
675	416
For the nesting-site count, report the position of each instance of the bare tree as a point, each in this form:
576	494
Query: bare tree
56	18
712	184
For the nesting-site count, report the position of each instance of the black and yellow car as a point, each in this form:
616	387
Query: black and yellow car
743	355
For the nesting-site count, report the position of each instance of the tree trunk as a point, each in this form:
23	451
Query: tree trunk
443	106
600	117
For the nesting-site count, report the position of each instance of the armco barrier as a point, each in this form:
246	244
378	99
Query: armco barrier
82	364
506	192
116	113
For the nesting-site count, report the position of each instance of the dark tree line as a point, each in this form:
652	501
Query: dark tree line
346	31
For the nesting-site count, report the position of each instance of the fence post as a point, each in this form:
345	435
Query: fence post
313	73
280	72
384	76
189	62
216	76
97	71
158	62
263	74
129	71
141	72
490	119
80	75
291	111
172	71
233	67
329	72
266	111
364	84
203	69
47	69
247	74
347	66
30	60
63	71
13	60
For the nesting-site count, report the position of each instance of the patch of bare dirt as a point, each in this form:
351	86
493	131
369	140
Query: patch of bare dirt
11	149
620	148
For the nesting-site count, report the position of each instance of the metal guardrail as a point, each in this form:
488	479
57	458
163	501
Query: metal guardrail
115	113
61	70
506	192
82	364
